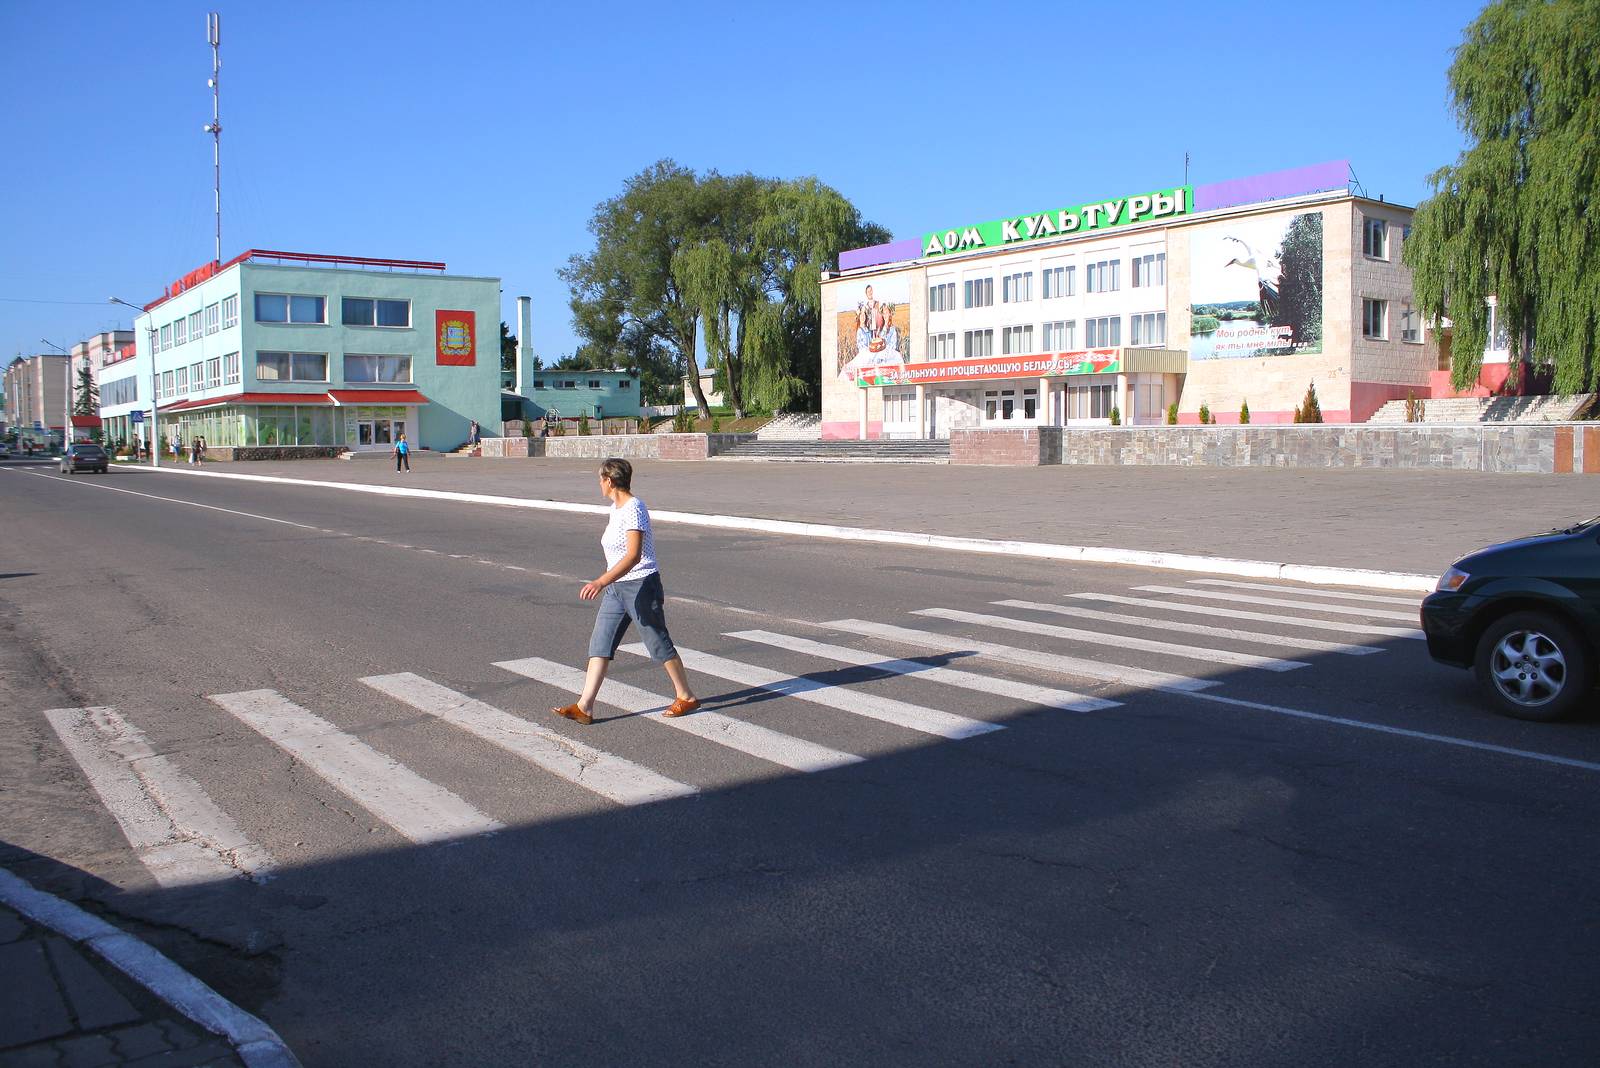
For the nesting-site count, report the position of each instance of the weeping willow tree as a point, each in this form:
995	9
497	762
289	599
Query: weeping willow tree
1518	215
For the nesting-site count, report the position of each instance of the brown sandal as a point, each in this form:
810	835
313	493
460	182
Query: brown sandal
682	707
574	713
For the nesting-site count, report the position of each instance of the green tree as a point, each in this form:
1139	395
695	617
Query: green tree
508	348
1515	217
86	397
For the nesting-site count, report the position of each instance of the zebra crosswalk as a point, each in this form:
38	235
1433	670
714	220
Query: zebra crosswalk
806	699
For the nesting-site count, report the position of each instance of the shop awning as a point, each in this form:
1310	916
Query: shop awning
376	396
86	420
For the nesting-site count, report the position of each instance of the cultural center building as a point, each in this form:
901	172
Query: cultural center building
281	350
1245	291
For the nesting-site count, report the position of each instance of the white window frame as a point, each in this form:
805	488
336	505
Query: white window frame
1410	324
1149	269
195	324
900	407
1097	280
1017	287
288	309
942	346
214	371
1053	335
1016	340
1065	277
977	292
1375	238
180	330
293	362
230	311
231	369
1375	311
375	325
941	296
1147	329
977	339
164	339
410	367
213	318
1096	328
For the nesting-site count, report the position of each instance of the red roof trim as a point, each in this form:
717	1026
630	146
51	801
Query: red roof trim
303	257
377	396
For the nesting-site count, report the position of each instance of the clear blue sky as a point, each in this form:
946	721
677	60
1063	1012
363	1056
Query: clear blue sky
483	134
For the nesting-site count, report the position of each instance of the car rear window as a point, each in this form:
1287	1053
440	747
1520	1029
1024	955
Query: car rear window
88	450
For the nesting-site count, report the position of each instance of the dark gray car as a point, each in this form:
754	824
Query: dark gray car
84	456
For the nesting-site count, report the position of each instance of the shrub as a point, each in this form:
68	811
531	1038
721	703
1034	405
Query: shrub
1172	414
683	422
644	425
1116	417
716	424
1414	412
583	424
1205	413
1309	410
1244	412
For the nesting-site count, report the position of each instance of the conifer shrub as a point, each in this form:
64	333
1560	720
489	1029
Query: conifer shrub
1205	413
1244	412
1116	417
1172	414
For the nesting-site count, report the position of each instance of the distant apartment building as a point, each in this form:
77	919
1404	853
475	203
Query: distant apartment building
277	350
36	397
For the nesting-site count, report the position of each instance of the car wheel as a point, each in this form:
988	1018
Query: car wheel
1533	666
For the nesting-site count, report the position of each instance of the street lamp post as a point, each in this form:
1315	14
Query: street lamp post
155	408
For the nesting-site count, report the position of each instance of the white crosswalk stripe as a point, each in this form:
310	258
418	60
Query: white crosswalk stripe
1116	641
884	709
1047	696
599	772
420	810
175	829
750	738
1338	627
1371	598
1140	678
1312	645
1279	602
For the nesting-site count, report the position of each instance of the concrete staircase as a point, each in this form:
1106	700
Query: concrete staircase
1551	409
792	426
845	452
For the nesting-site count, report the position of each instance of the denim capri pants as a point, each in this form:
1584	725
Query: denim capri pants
642	601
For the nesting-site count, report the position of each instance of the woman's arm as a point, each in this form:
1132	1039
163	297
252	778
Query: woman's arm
630	557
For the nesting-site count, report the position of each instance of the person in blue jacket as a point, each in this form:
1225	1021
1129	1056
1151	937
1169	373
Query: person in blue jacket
402	453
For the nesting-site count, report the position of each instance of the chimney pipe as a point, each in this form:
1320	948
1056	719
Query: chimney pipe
524	343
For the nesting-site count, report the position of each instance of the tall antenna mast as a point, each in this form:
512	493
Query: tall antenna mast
214	127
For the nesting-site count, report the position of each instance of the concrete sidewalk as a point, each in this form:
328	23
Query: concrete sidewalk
67	1006
1415	521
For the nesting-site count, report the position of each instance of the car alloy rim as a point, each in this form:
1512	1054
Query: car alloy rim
1528	668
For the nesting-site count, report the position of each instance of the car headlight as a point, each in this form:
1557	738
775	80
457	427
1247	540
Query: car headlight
1451	580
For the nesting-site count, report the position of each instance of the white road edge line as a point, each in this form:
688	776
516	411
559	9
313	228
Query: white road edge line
177	832
594	770
1089	554
752	739
257	1044
422	811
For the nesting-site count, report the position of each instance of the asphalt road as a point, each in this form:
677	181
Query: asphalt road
1243	872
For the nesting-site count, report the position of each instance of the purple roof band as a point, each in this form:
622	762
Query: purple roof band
893	252
1275	186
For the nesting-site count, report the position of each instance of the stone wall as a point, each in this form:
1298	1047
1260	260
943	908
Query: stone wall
501	448
642	446
1532	449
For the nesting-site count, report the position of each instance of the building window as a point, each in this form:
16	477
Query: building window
166	384
197	374
230	368
165	341
942	346
1016	339
1374	318
1410	324
291	367
1375	239
1058	282
999	404
626	383
213	318
1103	333
1148	329
180	331
942	297
214	371
1017	287
977	293
1091	402
181	381
290	308
977	344
1499	337
566	383
538	383
899	406
1150	270
377	368
370	311
122	391
230	312
1061	336
194	325
1104	277
594	383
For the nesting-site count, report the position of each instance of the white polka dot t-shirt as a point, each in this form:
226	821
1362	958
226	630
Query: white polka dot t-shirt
631	516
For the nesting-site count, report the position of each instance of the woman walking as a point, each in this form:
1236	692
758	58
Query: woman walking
630	589
402	453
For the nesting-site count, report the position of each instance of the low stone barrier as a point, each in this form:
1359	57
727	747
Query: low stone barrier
1546	448
642	446
268	452
507	447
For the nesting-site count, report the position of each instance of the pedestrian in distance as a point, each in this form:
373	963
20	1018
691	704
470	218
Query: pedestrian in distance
629	591
475	436
402	453
194	452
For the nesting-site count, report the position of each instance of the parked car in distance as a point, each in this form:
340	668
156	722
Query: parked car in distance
5	451
1525	617
84	456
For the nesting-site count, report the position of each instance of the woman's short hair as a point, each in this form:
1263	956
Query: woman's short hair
620	472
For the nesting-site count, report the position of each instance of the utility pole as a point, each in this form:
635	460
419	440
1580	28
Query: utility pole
214	127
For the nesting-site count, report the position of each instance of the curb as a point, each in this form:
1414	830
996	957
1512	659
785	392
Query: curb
1090	554
256	1044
